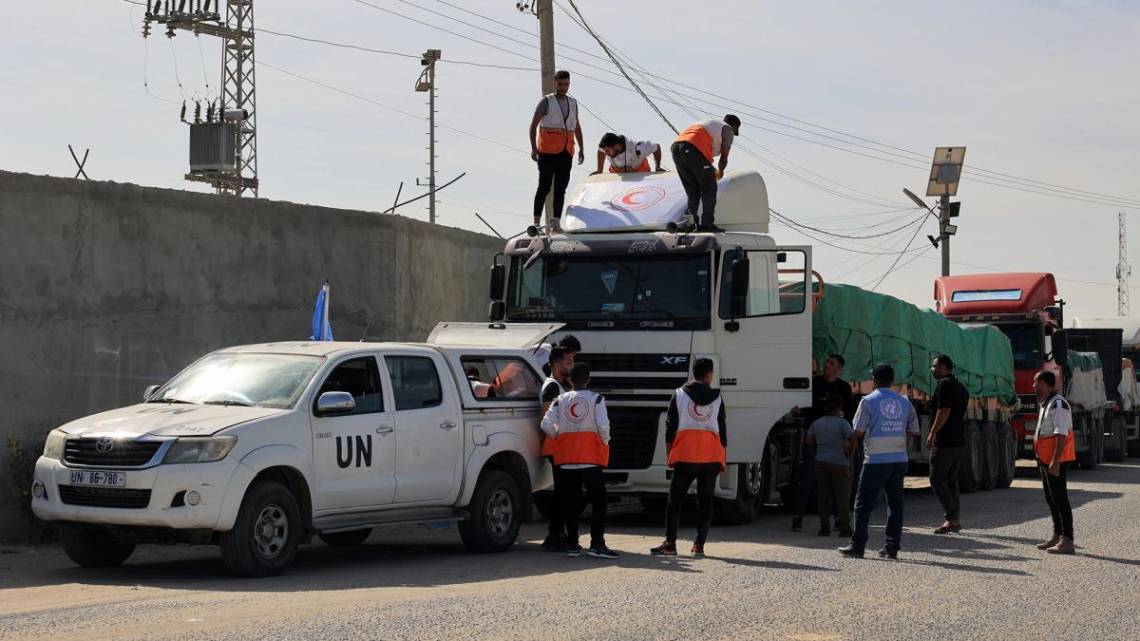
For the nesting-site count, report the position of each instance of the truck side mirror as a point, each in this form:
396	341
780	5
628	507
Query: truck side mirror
738	302
497	311
498	281
1056	313
1060	347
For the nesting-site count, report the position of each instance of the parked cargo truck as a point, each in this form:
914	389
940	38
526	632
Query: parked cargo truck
1122	429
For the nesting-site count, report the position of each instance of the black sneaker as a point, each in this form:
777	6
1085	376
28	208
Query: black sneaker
554	543
851	551
573	551
798	524
667	548
888	554
601	552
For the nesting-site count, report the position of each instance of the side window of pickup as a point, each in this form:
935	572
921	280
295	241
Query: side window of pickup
500	378
359	377
415	382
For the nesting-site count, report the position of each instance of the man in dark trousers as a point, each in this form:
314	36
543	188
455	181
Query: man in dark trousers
947	440
1055	448
554	128
695	439
556	384
824	385
693	152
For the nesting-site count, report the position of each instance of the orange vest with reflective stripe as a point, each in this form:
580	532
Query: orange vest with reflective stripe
705	136
548	440
578	441
698	432
1044	447
642	168
555	133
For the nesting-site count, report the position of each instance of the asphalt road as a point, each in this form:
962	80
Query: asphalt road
760	582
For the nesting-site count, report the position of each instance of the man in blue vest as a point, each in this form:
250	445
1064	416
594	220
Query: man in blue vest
883	421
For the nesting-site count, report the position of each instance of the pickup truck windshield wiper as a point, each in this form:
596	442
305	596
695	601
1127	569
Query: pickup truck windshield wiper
228	403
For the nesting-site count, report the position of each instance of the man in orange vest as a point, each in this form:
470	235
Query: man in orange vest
553	131
693	153
581	427
1055	448
627	156
695	438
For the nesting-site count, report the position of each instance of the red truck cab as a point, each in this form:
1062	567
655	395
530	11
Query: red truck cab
1025	307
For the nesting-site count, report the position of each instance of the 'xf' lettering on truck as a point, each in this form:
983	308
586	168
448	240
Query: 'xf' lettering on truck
363	450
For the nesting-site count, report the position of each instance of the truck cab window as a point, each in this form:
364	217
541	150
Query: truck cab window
778	282
361	378
415	382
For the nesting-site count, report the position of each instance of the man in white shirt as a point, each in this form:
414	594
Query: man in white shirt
626	155
1055	448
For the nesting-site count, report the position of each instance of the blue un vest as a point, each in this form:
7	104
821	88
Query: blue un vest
885	441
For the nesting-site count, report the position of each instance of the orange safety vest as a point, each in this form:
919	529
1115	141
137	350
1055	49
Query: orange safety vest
555	133
548	440
642	168
578	441
1043	446
705	136
698	432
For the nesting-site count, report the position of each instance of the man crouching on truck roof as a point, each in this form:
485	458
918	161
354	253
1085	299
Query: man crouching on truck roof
1055	448
884	419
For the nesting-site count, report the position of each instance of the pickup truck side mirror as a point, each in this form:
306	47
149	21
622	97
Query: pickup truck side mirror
149	391
738	301
335	403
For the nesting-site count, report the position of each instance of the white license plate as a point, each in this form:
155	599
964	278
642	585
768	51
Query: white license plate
98	478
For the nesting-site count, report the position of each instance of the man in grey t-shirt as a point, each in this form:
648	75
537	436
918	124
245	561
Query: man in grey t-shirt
834	440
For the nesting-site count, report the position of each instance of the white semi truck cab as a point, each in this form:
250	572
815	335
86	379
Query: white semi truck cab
257	448
646	301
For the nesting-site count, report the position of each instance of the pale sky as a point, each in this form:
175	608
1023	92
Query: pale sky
1041	90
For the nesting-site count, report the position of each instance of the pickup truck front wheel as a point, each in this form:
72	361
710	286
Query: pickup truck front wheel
93	549
496	513
264	539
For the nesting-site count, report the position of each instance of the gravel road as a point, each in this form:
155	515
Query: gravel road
760	582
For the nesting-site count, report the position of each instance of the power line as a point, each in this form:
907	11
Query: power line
899	257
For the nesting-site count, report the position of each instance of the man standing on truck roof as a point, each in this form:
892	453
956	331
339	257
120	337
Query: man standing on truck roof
884	419
555	385
947	440
823	385
627	156
553	131
695	440
693	152
1055	448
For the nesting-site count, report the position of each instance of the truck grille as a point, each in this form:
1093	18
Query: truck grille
104	497
633	436
122	453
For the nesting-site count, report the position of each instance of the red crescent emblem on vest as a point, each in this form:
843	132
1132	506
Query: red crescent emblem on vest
577	410
695	412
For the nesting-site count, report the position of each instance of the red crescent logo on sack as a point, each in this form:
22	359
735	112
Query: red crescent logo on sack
578	410
639	198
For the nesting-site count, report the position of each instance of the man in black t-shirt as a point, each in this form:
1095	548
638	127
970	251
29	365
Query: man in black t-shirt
947	440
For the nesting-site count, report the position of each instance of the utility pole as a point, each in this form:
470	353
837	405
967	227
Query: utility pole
1123	269
943	223
426	83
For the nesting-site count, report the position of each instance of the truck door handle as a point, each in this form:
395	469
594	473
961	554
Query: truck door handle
384	429
447	425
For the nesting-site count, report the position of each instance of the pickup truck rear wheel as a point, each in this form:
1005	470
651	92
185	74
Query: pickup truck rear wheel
91	548
496	513
265	537
345	539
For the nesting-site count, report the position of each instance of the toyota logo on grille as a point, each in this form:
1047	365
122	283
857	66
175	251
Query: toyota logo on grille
104	445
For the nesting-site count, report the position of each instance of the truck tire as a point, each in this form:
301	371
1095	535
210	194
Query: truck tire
1007	454
91	548
1086	460
989	456
347	539
750	482
266	534
973	460
496	513
1117	446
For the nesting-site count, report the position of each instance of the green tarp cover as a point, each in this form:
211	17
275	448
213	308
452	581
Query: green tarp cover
868	328
1082	361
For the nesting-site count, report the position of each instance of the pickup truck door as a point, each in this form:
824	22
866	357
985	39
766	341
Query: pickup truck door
354	453
429	429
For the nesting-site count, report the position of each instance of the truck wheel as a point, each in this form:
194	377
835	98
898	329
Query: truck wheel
91	548
496	513
266	534
750	482
1086	459
989	456
973	461
1007	455
1117	447
345	539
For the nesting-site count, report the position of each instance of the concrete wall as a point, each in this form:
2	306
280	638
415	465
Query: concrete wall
106	288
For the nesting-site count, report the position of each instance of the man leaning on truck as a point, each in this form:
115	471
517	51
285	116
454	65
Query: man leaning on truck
1055	448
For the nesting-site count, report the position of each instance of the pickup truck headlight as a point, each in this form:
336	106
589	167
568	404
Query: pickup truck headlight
53	446
200	450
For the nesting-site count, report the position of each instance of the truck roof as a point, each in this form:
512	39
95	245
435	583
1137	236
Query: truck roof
1008	293
1129	324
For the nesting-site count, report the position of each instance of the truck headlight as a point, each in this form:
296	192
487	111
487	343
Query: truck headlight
200	450
53	446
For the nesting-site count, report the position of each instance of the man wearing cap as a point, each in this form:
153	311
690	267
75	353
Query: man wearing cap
693	153
883	421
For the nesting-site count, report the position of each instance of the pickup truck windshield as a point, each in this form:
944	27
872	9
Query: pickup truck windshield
263	380
1026	341
626	290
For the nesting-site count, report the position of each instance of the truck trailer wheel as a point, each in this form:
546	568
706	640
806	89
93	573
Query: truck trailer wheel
91	548
1087	459
266	534
496	513
1007	454
1117	447
973	460
989	456
750	482
345	539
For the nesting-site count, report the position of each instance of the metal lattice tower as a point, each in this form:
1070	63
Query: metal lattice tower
1123	269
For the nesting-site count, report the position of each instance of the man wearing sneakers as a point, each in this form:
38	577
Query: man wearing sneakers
1055	448
581	427
555	385
695	438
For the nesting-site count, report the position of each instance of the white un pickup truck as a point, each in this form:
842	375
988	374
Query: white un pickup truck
257	448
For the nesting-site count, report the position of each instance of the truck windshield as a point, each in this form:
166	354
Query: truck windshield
1026	341
670	291
262	380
